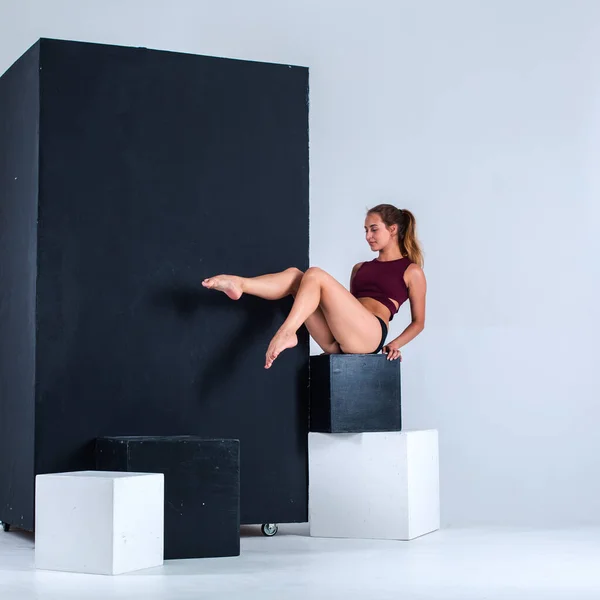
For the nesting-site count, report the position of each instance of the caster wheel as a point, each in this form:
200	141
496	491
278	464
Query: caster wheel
269	529
6	526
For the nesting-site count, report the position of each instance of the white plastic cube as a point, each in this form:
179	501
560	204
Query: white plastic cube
382	485
99	522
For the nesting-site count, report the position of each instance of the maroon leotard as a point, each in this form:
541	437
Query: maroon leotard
382	281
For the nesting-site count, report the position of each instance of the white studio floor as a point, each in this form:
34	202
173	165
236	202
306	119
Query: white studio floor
457	564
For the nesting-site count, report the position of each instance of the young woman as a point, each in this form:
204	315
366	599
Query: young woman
342	321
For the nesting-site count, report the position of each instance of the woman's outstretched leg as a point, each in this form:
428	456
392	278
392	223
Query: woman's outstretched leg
273	286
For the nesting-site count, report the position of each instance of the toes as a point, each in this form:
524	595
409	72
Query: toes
270	358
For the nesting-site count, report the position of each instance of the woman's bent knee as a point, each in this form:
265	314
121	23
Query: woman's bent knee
315	272
297	278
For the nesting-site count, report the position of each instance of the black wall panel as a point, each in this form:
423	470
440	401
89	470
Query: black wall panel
159	169
19	115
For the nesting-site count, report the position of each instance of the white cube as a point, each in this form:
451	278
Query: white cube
99	522
382	485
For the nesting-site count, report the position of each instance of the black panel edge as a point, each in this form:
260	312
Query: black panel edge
17	487
48	40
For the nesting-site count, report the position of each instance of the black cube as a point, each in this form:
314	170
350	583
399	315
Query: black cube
353	393
202	488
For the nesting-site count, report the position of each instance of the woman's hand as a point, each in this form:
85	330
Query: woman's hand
392	351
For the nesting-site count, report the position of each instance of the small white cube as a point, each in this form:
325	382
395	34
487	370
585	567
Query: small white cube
99	522
382	485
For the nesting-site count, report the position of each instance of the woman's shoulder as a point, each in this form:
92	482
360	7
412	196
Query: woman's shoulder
357	266
413	274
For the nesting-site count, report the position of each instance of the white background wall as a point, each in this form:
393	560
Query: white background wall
483	117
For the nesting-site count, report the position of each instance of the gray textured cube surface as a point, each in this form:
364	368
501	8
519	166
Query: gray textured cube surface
354	393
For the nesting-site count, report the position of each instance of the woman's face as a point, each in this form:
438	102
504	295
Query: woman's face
378	236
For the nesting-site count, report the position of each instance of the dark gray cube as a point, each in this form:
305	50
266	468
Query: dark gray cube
202	488
353	393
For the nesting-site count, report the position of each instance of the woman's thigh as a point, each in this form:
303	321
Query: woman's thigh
320	332
356	329
317	325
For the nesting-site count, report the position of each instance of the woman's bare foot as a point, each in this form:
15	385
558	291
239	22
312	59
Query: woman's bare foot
282	340
230	284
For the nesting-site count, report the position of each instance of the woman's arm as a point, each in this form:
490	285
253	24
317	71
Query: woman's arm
417	291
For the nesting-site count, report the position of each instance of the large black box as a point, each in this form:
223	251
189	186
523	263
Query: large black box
202	488
127	176
353	393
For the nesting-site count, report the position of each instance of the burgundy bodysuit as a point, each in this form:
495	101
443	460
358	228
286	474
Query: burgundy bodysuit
382	281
